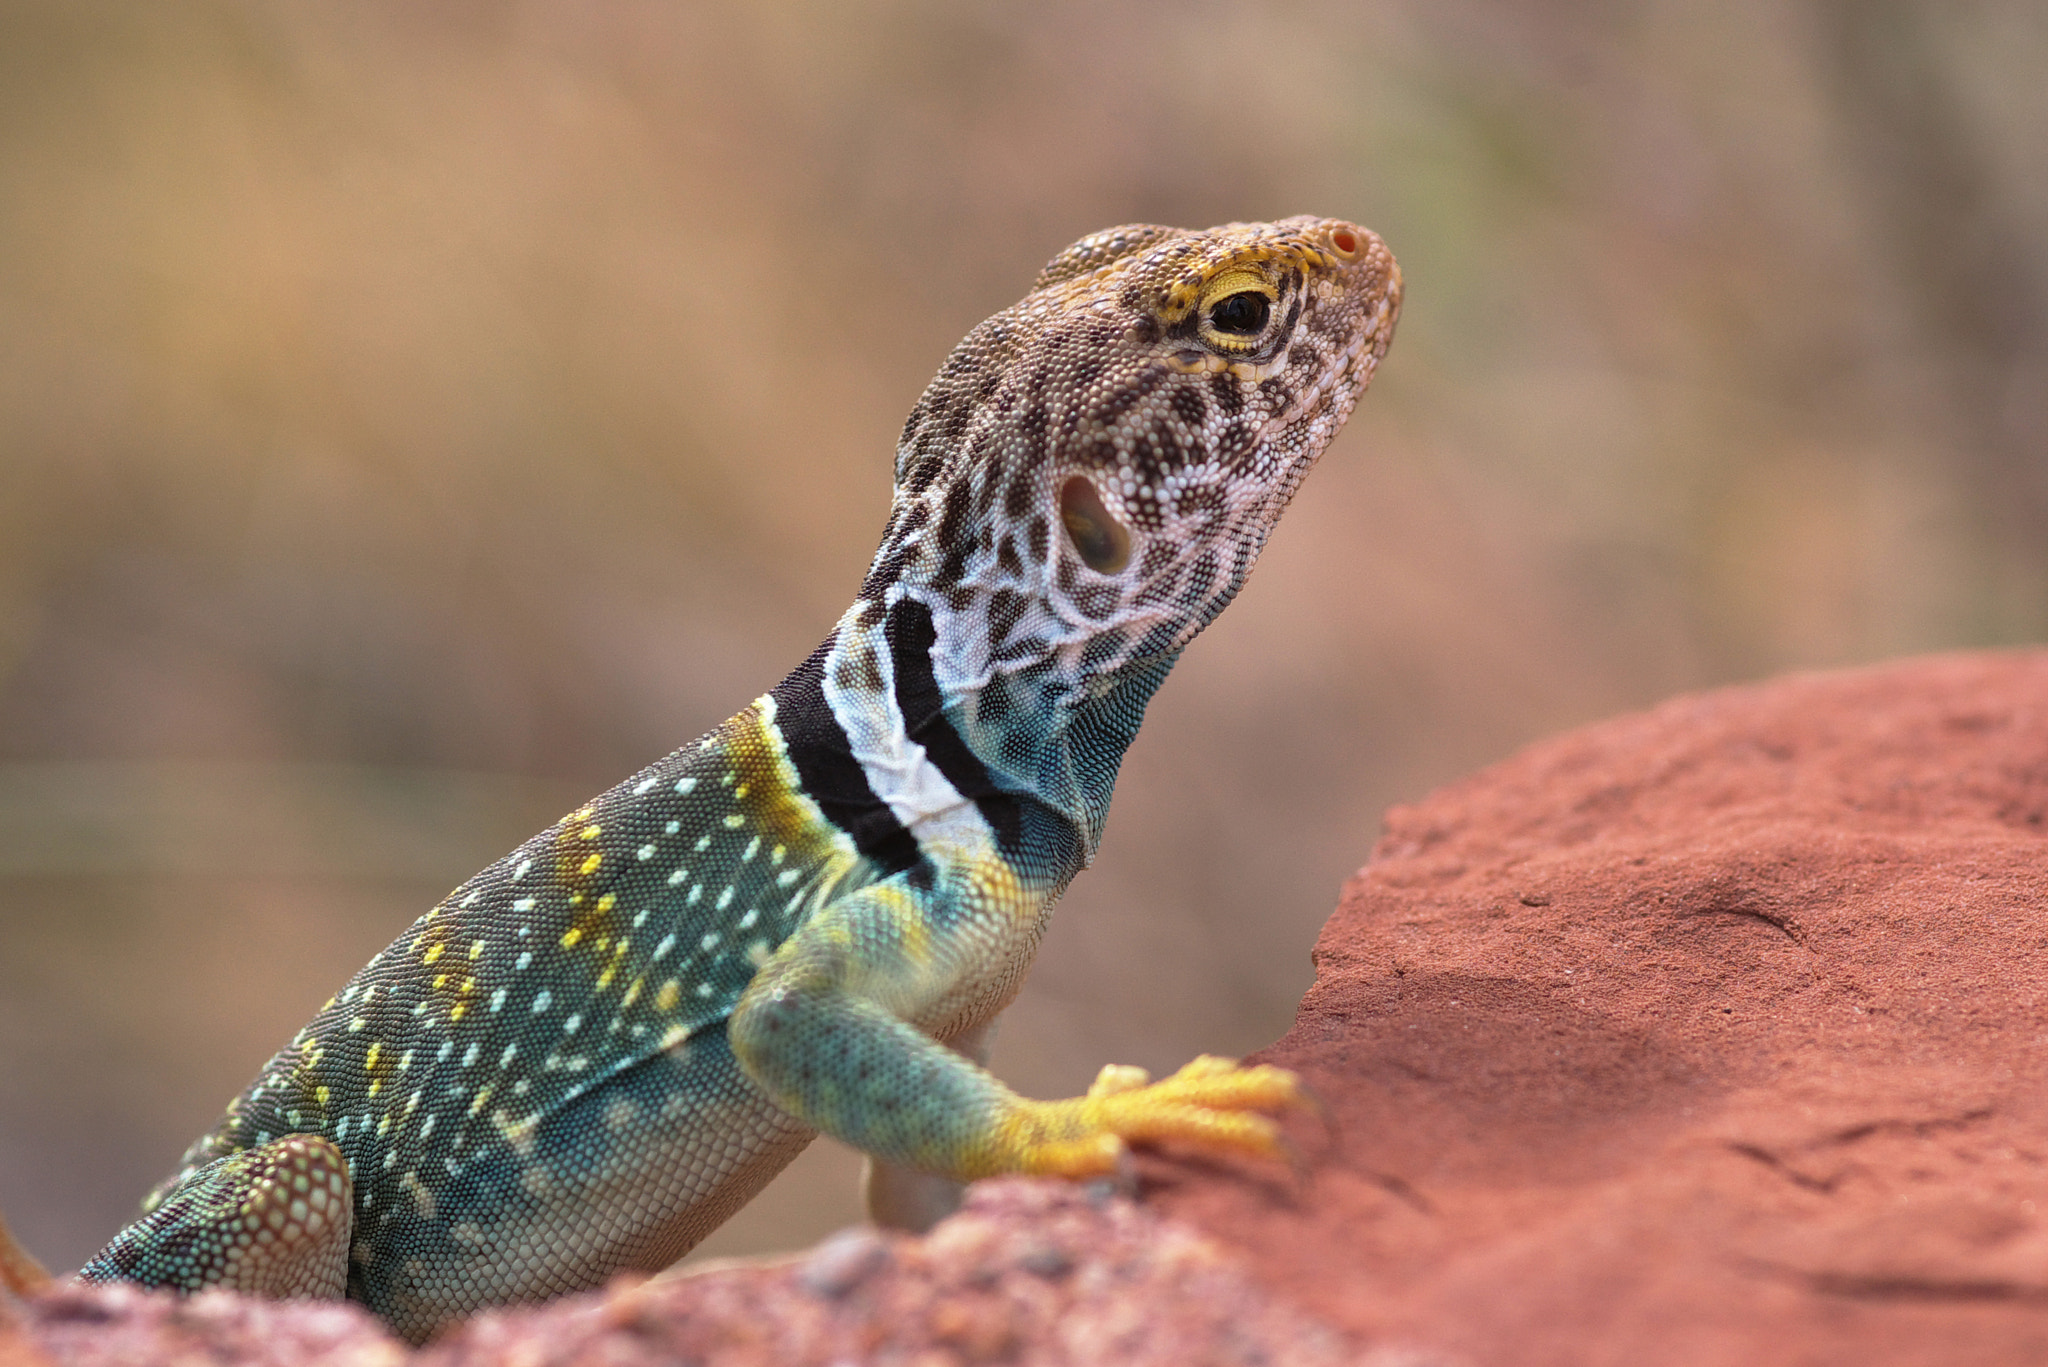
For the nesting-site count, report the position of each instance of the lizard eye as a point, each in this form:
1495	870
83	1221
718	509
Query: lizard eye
1236	308
1242	315
1104	543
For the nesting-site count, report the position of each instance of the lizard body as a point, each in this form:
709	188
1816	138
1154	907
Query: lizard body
595	1050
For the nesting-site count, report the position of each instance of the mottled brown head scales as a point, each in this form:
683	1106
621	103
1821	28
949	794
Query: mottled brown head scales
1092	473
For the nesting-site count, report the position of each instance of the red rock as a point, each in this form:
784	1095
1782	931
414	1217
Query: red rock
1714	1034
123	1326
1711	1035
1027	1273
1036	1274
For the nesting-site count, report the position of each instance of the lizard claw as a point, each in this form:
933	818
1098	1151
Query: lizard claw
1118	1077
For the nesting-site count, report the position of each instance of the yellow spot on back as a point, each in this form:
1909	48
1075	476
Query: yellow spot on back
591	832
458	1011
321	1094
519	1134
433	953
590	864
571	936
665	999
476	950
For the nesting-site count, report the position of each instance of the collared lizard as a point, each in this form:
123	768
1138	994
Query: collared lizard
598	1048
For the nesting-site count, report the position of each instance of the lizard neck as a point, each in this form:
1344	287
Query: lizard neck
1060	733
900	750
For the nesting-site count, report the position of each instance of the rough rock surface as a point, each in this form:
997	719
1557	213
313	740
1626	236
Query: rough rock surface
1714	1034
1027	1273
124	1326
1710	1035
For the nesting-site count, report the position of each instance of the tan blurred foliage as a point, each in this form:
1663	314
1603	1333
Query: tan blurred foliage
415	416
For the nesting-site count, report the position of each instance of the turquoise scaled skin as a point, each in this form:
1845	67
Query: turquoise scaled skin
598	1048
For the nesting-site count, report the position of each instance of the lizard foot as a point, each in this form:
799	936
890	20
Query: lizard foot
1213	1104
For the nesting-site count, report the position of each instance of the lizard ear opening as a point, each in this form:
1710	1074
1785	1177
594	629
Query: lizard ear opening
1104	543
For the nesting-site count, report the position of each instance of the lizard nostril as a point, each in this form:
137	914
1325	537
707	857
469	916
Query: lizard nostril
1345	241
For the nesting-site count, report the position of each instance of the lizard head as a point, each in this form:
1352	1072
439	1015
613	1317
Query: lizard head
1088	480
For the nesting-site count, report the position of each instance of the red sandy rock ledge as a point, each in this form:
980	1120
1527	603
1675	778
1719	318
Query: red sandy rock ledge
1710	1035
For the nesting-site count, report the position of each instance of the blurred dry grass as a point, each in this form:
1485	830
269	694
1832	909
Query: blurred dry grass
395	400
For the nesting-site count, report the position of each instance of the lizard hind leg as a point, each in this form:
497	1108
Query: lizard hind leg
270	1221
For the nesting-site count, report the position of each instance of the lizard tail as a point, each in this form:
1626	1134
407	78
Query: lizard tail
20	1273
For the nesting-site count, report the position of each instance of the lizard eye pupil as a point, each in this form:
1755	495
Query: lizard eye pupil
1244	313
1103	543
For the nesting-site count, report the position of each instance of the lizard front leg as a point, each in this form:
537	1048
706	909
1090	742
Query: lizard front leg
898	1197
825	1028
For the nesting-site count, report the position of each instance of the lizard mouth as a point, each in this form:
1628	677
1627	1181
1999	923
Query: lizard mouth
1353	366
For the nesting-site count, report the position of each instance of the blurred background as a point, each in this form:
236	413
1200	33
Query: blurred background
413	418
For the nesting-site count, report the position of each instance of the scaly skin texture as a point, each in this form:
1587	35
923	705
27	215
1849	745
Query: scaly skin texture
598	1048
